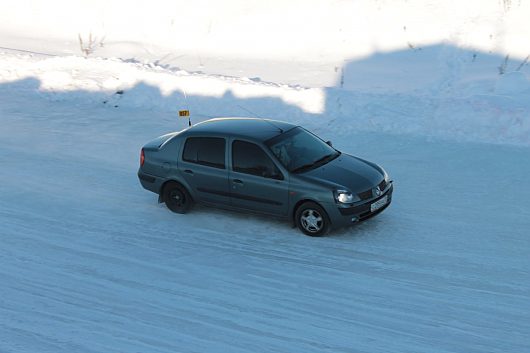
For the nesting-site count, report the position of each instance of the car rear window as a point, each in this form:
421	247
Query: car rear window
208	151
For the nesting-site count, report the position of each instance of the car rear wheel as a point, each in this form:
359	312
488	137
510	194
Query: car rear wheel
177	198
312	220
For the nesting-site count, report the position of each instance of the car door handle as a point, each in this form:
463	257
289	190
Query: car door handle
237	181
188	171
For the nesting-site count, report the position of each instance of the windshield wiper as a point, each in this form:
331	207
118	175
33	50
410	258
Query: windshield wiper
318	162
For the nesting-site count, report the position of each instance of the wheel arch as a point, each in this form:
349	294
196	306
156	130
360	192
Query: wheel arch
292	213
165	183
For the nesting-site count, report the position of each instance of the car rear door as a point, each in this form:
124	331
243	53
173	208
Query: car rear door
256	183
203	166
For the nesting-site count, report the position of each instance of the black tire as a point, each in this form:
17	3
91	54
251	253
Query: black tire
312	219
177	198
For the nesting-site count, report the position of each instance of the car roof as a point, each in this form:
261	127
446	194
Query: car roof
253	128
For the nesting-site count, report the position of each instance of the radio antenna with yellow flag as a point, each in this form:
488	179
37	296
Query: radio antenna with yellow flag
185	113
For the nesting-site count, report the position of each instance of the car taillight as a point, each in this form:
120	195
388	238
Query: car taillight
142	157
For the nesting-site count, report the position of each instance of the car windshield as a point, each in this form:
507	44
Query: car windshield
298	150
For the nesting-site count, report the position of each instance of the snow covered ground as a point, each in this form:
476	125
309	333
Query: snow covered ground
90	262
295	41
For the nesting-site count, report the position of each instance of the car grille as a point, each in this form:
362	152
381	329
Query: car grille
365	195
368	194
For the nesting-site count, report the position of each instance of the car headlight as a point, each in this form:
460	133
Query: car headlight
343	196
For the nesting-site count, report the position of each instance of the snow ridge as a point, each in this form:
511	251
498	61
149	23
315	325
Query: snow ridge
493	111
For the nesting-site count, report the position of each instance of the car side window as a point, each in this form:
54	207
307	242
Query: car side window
209	151
249	158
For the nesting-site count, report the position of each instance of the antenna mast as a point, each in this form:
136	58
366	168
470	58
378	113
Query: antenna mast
259	117
184	113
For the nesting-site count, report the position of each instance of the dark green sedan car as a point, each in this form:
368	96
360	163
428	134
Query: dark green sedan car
267	167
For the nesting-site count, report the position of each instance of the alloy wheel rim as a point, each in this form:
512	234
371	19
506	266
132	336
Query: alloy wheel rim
311	220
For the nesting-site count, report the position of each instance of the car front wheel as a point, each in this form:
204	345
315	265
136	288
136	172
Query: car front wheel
177	198
311	219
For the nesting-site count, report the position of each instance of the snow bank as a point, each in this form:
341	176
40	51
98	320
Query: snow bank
513	83
492	109
148	86
319	30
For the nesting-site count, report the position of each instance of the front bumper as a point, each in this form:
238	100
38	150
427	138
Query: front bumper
345	216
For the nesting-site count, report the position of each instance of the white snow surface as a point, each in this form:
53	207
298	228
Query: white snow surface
305	42
90	262
318	30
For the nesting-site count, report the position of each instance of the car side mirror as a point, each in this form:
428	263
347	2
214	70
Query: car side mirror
329	143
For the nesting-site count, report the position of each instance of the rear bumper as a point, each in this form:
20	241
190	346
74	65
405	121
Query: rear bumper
345	216
150	182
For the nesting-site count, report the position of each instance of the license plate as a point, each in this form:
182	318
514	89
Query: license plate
378	204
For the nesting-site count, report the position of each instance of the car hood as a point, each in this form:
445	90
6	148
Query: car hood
346	171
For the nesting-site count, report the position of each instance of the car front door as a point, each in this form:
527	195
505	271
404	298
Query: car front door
203	166
255	181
